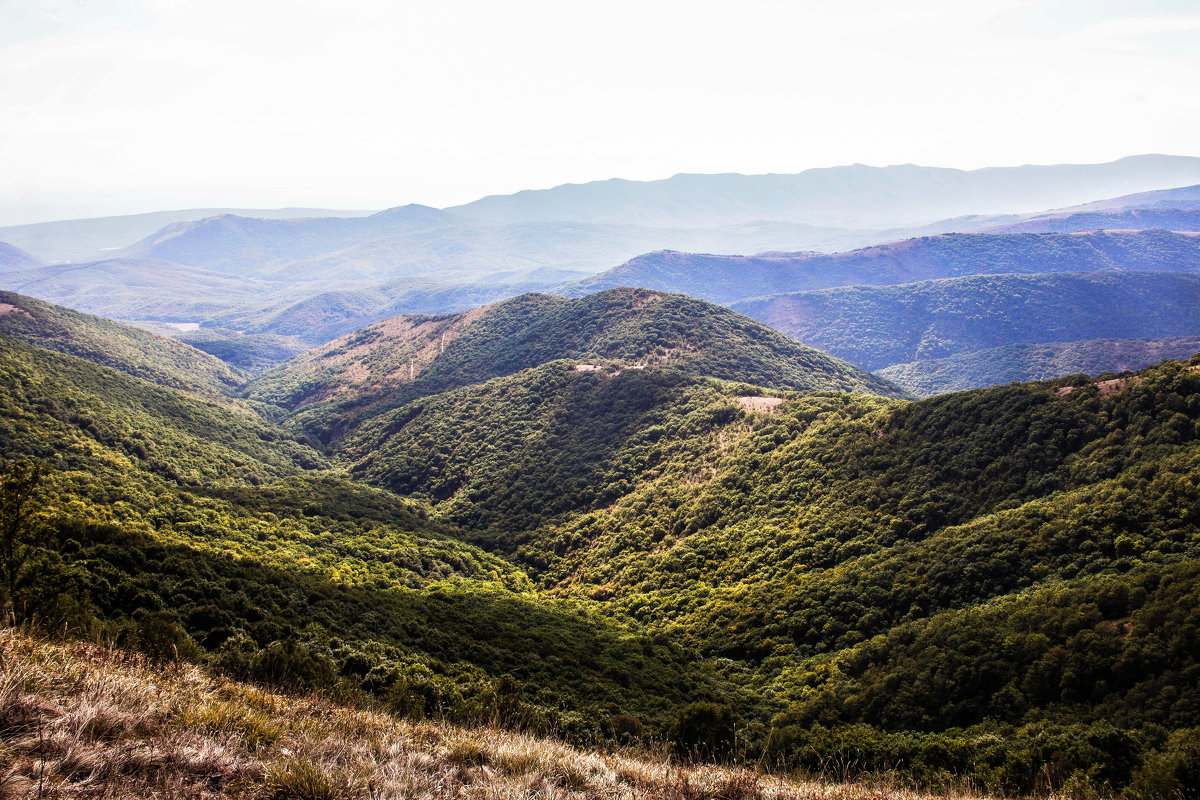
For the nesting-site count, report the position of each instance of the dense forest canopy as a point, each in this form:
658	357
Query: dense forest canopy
997	585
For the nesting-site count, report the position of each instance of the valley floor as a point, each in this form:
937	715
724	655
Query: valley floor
79	720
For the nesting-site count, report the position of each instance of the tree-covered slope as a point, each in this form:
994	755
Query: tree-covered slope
729	279
102	341
835	575
1035	362
834	549
384	365
515	452
180	526
976	561
878	326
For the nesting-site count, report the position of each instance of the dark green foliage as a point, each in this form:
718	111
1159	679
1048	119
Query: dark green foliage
998	586
20	482
217	546
512	453
1174	771
704	731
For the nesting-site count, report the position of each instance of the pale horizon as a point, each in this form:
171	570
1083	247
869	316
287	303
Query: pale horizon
149	105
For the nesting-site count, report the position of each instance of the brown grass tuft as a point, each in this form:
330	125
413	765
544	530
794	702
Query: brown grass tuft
81	721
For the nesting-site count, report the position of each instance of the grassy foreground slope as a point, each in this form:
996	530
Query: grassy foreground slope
1035	362
84	715
398	360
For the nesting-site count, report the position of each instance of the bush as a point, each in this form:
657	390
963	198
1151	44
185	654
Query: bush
703	731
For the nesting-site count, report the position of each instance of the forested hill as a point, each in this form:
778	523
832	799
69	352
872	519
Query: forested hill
728	279
878	326
996	586
413	356
1036	362
987	551
185	528
155	358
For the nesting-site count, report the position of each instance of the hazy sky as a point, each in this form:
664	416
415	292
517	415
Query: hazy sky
136	105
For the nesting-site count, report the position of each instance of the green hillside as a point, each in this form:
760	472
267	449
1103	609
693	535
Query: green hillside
514	452
840	547
387	364
173	524
996	586
155	358
1035	362
878	326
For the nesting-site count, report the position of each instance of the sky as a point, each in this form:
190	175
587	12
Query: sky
128	106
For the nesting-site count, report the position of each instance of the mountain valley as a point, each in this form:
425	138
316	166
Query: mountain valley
922	514
577	517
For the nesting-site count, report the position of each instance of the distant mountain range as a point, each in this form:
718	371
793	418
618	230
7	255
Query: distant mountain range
855	196
881	326
1033	362
267	283
90	239
729	279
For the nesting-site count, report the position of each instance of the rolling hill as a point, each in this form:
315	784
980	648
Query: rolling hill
181	526
157	359
140	289
386	364
1035	362
855	196
13	259
97	238
879	326
995	587
730	279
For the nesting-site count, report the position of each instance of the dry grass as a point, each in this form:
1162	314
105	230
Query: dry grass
84	721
